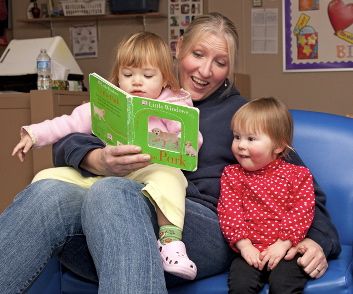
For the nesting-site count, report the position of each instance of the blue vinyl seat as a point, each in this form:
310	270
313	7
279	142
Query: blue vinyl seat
325	143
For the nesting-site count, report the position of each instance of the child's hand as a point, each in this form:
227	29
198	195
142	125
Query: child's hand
249	252
274	253
23	146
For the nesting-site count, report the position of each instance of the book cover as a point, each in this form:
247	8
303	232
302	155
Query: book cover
120	118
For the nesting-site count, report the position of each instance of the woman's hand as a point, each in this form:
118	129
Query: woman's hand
313	260
115	160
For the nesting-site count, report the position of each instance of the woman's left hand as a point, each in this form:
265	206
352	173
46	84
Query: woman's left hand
313	259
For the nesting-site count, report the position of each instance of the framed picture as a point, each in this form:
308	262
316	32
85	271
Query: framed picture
317	35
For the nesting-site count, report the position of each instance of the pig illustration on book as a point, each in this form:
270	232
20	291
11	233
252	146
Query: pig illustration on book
100	112
189	149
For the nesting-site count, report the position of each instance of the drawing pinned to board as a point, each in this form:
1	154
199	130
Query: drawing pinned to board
84	41
307	38
180	14
305	5
341	18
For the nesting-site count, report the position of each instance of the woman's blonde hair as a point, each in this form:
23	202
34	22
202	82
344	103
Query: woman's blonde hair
270	116
141	49
216	24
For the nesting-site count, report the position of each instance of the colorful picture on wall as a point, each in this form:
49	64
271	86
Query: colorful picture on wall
180	14
318	35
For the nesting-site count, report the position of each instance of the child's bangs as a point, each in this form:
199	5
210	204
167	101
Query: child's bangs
139	56
248	123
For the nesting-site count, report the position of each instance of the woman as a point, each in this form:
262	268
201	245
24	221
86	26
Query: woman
120	240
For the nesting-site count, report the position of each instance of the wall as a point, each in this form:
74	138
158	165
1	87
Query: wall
323	91
319	91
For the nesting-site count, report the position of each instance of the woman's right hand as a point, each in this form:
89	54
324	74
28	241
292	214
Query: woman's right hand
115	160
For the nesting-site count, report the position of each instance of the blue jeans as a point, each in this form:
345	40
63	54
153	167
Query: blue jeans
120	228
33	228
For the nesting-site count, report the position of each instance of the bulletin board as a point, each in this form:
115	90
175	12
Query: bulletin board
318	35
180	14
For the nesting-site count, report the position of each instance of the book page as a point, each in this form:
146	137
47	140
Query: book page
108	112
167	131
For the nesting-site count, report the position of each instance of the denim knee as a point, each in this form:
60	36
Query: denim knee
120	189
114	196
50	197
34	227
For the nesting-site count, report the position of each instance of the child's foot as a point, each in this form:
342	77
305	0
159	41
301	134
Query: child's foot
176	261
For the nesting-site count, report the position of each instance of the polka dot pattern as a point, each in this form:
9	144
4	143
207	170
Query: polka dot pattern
275	202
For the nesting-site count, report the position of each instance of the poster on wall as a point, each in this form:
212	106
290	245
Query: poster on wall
318	35
84	41
264	31
180	14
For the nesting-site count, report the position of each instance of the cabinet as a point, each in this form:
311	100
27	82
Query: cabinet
21	109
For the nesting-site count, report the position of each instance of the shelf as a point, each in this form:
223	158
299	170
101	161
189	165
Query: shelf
91	17
49	21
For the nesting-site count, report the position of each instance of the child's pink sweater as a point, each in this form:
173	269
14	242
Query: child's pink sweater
50	131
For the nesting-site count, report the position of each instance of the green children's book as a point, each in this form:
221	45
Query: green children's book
121	118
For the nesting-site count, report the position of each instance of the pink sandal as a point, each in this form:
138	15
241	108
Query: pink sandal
176	261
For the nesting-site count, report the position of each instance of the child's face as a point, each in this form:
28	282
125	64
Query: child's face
253	151
145	82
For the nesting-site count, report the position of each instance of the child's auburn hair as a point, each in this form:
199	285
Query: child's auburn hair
141	49
268	115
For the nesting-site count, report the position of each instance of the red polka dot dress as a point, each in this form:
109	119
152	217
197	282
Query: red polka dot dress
275	202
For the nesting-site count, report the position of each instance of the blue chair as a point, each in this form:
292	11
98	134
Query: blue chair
325	143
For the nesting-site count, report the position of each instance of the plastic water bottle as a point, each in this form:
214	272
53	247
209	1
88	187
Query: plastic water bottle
43	70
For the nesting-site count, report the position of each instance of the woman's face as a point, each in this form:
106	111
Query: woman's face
205	67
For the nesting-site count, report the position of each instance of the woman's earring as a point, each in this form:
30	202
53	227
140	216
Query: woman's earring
225	83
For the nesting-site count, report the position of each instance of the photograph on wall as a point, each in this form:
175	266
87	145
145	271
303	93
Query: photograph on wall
180	14
84	41
318	35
